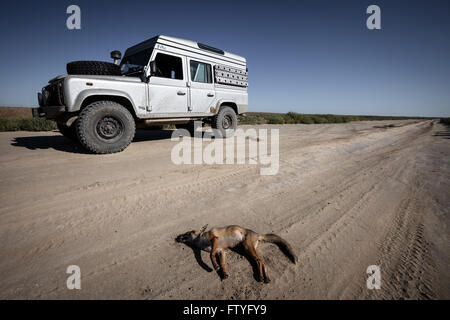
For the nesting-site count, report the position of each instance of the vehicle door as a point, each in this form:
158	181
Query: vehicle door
168	92
201	85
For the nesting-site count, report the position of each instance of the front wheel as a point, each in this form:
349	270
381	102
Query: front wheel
225	122
105	127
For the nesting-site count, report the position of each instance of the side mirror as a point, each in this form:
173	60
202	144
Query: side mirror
152	68
116	55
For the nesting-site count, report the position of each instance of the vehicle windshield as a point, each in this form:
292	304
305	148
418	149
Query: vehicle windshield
135	63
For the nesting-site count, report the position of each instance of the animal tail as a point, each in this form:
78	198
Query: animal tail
282	244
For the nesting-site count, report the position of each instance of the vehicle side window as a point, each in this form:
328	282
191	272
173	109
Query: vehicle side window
168	66
200	72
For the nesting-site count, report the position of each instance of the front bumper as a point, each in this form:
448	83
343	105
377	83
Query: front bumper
51	100
49	112
49	107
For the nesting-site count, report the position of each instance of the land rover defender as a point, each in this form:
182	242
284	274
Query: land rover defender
163	80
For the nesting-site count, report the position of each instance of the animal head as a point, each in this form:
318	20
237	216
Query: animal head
190	236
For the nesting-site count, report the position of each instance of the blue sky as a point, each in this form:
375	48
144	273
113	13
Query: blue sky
303	56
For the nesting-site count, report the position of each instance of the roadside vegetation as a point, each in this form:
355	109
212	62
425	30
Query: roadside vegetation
294	118
27	124
20	119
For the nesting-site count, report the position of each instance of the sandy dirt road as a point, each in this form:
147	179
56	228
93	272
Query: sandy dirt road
346	196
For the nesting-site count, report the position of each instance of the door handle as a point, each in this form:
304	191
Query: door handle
181	93
210	95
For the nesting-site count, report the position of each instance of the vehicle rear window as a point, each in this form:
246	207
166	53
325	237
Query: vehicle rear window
200	72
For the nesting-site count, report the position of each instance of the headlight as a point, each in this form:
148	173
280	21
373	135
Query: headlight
61	91
40	99
45	96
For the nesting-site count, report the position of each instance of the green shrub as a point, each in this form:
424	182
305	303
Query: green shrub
306	119
251	119
275	119
292	117
318	119
28	124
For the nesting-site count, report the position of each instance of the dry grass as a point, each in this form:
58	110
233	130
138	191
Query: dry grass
293	117
15	113
21	119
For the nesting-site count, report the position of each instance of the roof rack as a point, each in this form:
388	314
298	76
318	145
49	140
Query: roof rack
209	48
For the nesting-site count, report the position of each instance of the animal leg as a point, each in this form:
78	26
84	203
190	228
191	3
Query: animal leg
214	243
254	255
222	264
266	273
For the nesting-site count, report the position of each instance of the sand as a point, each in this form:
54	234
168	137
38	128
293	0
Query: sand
346	196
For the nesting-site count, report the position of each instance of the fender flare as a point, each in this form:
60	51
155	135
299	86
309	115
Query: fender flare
225	101
83	95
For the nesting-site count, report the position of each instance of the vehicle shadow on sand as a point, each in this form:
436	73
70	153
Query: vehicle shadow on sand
61	143
445	134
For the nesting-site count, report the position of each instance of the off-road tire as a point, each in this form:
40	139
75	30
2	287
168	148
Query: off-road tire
105	127
225	122
69	132
93	68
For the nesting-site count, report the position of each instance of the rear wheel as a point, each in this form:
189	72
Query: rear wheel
225	122
105	127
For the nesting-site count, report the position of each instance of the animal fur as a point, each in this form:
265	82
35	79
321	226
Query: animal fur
218	240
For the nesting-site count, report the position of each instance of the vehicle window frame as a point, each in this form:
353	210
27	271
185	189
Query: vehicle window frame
174	56
206	63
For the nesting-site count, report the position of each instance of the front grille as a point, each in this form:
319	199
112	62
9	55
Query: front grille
52	95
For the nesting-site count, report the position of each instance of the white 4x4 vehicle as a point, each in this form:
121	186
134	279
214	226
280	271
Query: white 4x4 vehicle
163	80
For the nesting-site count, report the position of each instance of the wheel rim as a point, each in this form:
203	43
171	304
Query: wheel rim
109	128
227	122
